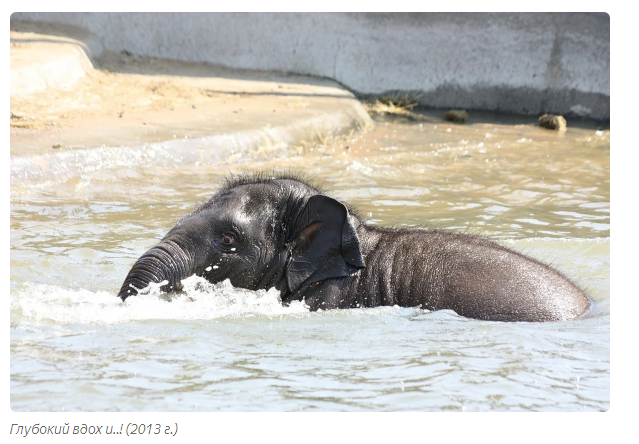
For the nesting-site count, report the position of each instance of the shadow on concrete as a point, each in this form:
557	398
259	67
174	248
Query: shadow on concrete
281	94
127	63
131	64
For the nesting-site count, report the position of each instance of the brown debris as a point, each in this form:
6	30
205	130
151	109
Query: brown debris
456	115
552	122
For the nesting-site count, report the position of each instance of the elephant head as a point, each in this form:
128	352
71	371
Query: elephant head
259	233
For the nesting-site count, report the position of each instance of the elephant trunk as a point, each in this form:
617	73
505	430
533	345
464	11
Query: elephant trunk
166	262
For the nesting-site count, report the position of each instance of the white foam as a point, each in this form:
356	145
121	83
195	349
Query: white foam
50	304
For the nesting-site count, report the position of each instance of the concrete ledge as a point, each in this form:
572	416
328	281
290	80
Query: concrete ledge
529	63
49	56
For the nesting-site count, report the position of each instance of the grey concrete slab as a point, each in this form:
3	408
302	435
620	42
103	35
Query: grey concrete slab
528	63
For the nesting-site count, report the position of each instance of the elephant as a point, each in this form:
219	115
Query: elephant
263	231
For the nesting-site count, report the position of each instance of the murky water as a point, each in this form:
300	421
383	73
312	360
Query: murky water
76	230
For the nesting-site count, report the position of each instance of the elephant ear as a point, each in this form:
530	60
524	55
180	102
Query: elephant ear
325	244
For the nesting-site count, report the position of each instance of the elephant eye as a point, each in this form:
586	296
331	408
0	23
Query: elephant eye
227	239
226	242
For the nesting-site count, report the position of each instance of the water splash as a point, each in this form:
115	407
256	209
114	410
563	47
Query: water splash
200	300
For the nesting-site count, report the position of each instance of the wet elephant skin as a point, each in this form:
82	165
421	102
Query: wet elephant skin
262	232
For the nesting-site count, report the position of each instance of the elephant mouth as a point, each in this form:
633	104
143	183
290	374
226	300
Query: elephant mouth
274	274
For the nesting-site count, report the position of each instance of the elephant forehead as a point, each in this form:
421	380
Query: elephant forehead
248	203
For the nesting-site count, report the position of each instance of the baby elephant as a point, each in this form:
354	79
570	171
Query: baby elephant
262	232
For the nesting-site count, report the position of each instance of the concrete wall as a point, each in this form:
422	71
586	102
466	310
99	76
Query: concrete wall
526	63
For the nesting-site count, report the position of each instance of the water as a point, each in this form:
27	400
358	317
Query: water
76	230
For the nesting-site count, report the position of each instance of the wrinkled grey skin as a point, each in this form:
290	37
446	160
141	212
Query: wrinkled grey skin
261	233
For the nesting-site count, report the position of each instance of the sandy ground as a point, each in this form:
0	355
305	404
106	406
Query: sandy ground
123	83
125	99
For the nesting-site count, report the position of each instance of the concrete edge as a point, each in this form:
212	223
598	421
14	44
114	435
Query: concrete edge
61	73
90	43
69	62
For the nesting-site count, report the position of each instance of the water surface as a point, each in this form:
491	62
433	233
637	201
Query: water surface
80	219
